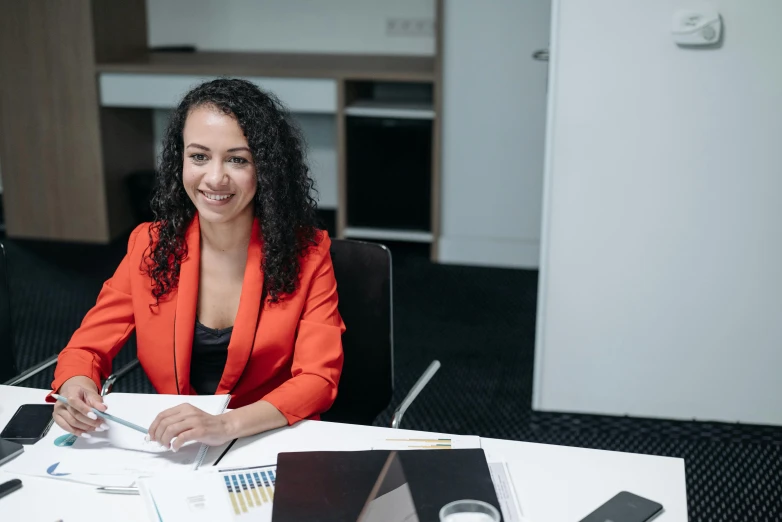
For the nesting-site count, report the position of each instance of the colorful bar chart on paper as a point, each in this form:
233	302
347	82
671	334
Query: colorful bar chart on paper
250	489
235	494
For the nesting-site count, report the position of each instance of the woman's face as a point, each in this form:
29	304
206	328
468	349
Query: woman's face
218	171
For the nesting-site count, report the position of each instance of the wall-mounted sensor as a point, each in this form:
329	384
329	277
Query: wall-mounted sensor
701	27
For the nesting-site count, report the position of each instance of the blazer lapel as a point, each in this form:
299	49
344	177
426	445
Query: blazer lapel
186	307
246	323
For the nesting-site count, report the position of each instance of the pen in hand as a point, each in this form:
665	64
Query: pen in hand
107	416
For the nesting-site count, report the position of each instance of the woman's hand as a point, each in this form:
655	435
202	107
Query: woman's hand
185	423
77	417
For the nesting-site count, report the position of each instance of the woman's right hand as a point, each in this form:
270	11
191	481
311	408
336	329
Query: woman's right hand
77	417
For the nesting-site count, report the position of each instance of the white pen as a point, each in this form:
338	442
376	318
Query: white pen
107	416
118	490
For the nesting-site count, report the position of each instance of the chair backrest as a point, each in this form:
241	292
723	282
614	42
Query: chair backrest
364	284
7	354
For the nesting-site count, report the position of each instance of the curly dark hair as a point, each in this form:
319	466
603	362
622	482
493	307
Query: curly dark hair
284	200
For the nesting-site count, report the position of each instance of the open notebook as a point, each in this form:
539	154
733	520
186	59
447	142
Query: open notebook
121	450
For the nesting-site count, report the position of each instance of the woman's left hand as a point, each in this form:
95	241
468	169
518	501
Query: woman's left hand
185	423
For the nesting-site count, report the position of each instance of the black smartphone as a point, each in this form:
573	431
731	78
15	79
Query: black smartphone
625	507
29	424
9	450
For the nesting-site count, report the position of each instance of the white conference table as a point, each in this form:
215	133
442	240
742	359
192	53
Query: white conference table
553	483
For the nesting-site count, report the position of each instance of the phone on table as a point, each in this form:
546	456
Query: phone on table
9	450
625	507
29	424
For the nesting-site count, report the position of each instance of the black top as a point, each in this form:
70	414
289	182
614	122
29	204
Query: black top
210	352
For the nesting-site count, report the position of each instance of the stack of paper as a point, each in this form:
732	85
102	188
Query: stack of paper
123	450
208	495
43	459
119	455
247	493
506	493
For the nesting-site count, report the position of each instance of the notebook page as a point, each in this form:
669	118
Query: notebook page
121	450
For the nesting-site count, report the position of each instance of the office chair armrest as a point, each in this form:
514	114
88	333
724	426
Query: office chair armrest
396	420
33	370
114	377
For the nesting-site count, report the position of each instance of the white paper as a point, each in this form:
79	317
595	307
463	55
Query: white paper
415	443
98	455
42	460
244	494
506	493
122	450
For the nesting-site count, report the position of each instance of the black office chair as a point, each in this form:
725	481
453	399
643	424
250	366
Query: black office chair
8	368
364	283
365	286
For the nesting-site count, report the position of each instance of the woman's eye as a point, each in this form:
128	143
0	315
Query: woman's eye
198	157
237	160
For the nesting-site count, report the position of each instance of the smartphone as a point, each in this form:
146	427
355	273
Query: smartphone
29	424
9	450
625	507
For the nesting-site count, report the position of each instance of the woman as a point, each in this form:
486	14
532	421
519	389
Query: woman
231	289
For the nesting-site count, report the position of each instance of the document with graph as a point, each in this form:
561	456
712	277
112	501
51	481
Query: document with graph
123	450
239	494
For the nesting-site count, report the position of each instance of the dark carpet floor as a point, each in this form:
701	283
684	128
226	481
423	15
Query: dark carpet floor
480	323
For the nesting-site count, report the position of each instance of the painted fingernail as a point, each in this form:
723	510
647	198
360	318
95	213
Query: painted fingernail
86	435
146	437
92	415
104	426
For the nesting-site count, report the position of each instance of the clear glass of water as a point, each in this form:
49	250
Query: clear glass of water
469	511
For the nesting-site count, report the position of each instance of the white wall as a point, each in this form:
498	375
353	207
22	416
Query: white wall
494	113
326	26
661	279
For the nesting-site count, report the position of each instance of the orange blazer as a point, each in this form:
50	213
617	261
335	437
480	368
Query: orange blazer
289	353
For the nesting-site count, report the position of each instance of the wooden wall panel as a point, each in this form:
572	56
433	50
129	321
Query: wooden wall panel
64	159
49	140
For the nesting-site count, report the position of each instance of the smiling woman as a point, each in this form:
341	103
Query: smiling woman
219	173
230	289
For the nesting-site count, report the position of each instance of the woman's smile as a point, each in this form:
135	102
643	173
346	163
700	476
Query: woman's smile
216	199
